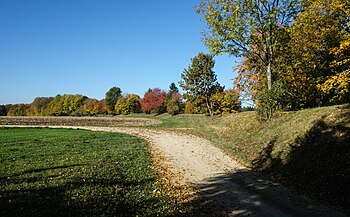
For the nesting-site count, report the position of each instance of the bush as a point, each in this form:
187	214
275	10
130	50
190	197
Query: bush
226	102
269	101
189	108
174	105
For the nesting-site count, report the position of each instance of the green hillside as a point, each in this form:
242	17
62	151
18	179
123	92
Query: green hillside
308	150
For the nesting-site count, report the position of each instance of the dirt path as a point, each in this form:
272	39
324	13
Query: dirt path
228	188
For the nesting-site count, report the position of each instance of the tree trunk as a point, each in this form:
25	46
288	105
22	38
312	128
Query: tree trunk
209	106
268	76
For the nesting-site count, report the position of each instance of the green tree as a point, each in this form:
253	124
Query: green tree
120	107
68	104
18	110
3	110
248	28
199	80
39	106
173	88
133	103
128	105
112	97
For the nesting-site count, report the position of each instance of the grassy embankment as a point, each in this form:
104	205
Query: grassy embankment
308	150
60	172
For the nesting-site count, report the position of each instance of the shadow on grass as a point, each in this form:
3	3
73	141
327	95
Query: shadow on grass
318	164
93	195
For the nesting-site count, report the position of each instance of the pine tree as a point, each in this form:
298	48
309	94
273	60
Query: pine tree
199	80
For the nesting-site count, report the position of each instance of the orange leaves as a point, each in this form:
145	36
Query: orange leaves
153	101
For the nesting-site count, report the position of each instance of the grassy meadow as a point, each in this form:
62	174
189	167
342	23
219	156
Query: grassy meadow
62	172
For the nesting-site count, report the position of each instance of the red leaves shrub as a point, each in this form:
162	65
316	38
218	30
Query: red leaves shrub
153	101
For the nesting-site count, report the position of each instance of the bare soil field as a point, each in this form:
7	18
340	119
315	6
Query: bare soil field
77	121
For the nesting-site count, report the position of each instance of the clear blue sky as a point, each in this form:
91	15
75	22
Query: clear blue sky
50	47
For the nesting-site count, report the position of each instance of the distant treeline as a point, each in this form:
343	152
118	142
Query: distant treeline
155	101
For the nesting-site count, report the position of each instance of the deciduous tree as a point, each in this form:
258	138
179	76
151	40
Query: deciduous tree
91	107
153	101
248	28
174	104
128	105
226	102
321	57
18	110
67	104
39	106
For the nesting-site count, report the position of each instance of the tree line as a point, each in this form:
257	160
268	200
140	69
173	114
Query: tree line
154	101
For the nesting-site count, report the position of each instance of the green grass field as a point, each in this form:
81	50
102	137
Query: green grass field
61	172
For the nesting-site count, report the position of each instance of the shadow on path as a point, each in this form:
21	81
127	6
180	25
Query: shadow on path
244	193
319	162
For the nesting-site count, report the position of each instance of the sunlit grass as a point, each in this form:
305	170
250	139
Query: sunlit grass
60	172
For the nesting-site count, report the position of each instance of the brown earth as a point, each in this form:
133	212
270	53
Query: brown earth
76	121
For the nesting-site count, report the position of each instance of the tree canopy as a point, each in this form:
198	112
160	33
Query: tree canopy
112	97
200	81
247	28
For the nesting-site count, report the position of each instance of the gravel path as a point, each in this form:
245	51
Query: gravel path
228	188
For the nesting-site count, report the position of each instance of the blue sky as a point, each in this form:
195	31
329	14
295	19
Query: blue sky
50	47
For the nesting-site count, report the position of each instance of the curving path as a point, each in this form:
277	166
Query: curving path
227	188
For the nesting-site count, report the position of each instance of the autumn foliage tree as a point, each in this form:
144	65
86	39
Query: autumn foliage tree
320	38
128	105
91	107
225	102
68	104
174	104
154	101
18	110
39	106
294	54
